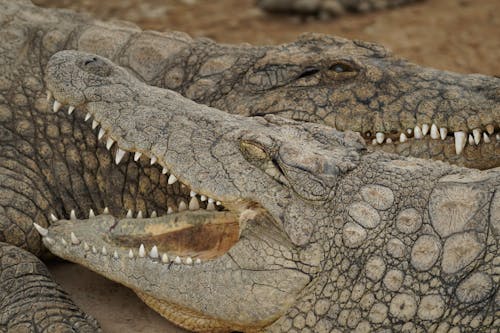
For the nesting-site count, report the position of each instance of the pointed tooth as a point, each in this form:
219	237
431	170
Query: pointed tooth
53	217
91	213
211	206
497	137
402	137
142	251
86	246
425	129
49	95
210	200
87	116
218	203
203	198
131	254
189	261
170	210
71	109
154	214
57	106
409	131
490	129
177	260
164	258
434	132
100	134
171	179
471	140
486	138
388	140
94	250
182	206
443	132
72	215
477	135
137	156
153	160
374	142
41	230
197	261
139	214
109	143
94	124
192	194
106	210
380	137
63	242
129	214
194	204
119	155
154	253
460	141
164	171
74	239
104	251
115	255
417	133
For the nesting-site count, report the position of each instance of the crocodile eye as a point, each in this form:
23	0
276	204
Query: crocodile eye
258	156
341	68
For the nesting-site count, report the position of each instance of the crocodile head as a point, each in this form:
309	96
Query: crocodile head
238	265
395	105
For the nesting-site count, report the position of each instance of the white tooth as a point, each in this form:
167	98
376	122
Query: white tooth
137	156
129	214
189	261
119	155
380	137
153	160
49	95
194	204
72	215
171	179
211	200
154	214
115	255
374	142
192	194
164	258
87	116
71	109
170	210
443	131
86	246
164	171
434	132
142	251
63	242
477	135
177	260
409	131
417	133
460	141
211	206
486	138
56	106
203	198
109	143
94	250
425	129
182	206
389	140
402	137
490	129
106	210
139	214
104	251
74	239
91	214
497	137
53	217
131	254
41	230
218	203
154	252
197	261
100	134
94	124
471	140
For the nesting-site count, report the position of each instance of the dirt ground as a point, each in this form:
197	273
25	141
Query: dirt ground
457	35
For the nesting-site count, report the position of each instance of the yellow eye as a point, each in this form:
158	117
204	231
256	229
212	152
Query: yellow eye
252	151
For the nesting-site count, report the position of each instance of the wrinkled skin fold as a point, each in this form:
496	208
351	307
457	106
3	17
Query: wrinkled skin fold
333	231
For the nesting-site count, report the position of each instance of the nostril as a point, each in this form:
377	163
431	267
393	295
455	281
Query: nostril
94	59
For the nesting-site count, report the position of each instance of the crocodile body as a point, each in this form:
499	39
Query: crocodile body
52	164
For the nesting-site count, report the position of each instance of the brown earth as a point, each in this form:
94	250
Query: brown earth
457	35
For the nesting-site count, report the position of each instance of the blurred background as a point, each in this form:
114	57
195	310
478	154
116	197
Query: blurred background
457	35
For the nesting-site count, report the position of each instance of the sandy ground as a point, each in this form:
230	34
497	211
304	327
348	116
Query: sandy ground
458	35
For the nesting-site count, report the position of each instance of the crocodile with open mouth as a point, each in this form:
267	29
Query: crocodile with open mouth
312	230
53	166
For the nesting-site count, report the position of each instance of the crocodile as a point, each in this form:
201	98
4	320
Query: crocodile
54	166
328	8
313	232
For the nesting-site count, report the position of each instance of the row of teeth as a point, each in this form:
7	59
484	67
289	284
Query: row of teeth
141	253
194	203
461	137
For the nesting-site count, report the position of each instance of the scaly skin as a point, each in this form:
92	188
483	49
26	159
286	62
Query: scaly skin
331	236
